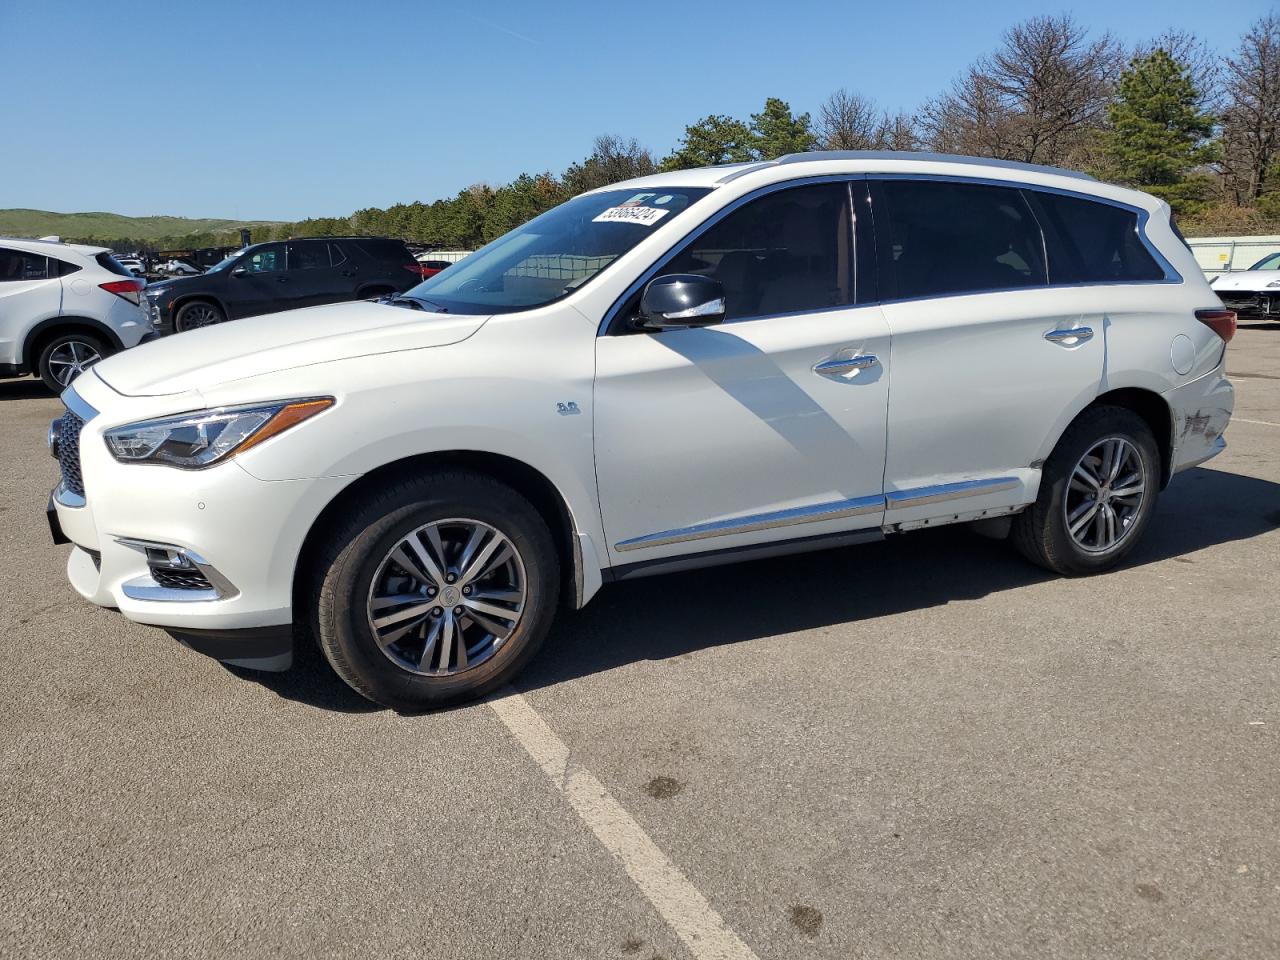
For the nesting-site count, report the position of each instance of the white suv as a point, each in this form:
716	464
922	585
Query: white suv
63	307
686	369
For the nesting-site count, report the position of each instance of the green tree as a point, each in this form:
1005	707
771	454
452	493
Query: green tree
1157	130
777	132
714	139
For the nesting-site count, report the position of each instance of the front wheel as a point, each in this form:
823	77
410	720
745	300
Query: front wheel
1097	493
437	590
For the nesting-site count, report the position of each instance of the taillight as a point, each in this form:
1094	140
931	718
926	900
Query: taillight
417	268
131	290
1221	322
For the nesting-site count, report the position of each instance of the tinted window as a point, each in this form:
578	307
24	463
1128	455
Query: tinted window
393	250
107	262
957	238
308	256
264	260
60	268
1092	242
16	265
1268	263
786	252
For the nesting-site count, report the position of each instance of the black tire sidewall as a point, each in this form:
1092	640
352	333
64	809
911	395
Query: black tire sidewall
1079	439
342	625
42	363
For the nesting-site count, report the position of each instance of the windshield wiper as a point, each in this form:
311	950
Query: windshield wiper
413	303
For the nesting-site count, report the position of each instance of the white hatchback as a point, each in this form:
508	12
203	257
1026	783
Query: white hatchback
63	307
690	368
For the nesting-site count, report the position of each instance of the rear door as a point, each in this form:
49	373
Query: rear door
313	277
29	292
989	361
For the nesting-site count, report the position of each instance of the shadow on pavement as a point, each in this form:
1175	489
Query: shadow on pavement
26	388
665	616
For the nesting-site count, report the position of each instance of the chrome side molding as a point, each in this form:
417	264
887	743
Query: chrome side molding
760	521
918	496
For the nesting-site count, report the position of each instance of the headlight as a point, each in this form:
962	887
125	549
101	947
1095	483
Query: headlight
205	437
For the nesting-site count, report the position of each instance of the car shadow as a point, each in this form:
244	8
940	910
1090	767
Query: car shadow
24	389
638	620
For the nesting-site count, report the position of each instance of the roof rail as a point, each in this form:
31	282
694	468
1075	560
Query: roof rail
922	157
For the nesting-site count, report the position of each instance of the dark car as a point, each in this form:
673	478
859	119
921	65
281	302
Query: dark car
283	275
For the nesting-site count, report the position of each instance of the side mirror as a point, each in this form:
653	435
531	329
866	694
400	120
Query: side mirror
681	300
239	271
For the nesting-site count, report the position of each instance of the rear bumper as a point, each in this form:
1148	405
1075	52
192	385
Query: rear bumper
1201	412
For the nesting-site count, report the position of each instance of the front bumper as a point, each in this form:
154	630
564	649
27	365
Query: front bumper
246	535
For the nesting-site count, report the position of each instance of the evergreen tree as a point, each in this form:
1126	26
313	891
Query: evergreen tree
714	139
777	131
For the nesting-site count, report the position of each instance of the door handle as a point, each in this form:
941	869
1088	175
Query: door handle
1070	338
282	279
836	367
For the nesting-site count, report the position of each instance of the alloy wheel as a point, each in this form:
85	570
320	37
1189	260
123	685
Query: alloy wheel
446	597
199	315
1105	495
69	360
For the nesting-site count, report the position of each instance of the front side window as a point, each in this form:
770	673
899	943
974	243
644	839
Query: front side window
554	254
787	252
16	265
266	259
953	238
1092	242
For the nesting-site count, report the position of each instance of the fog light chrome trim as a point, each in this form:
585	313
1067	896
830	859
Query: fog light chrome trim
146	587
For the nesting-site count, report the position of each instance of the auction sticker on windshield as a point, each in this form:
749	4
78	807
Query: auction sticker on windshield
645	216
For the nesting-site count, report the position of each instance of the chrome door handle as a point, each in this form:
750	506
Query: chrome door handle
837	367
1070	338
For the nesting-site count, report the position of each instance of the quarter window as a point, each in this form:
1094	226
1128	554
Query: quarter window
786	252
1092	242
16	265
952	238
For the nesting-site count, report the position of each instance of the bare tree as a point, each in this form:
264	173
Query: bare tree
1204	64
612	159
850	121
1251	118
1037	99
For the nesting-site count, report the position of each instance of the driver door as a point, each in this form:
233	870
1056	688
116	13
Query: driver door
259	283
737	435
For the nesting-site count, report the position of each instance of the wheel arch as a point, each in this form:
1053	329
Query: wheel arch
183	299
526	480
1151	407
42	332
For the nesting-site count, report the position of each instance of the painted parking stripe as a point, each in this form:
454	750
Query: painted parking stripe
1264	423
677	900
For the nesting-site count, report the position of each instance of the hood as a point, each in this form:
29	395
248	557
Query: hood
210	356
1251	280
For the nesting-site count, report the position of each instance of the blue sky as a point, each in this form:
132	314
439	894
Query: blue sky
279	110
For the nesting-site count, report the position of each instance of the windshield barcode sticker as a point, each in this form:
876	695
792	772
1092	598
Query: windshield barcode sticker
645	216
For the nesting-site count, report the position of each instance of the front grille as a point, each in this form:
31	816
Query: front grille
180	579
69	452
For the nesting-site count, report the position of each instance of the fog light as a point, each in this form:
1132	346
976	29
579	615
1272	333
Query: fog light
168	557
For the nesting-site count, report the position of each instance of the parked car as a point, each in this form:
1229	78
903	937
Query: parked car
284	275
1252	293
686	369
429	268
179	268
133	265
63	307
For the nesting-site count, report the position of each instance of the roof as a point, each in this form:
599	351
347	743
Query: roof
81	248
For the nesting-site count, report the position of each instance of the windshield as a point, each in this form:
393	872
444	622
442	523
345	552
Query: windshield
554	254
1267	263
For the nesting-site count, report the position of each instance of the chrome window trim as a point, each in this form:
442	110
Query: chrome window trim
649	273
936	493
1171	275
858	506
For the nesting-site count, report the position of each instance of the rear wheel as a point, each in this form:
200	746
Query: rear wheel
67	356
437	590
1097	493
197	314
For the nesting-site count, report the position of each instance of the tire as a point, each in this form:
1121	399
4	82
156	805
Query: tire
1042	533
356	576
197	314
66	356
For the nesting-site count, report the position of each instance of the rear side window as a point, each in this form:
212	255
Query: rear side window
787	252
952	238
108	262
308	256
17	265
393	251
1092	242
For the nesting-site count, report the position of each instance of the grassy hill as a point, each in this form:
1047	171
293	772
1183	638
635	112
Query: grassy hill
44	223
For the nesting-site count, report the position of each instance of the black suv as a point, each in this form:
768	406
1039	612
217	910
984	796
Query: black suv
284	275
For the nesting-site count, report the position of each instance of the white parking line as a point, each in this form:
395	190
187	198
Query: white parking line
676	899
1264	423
